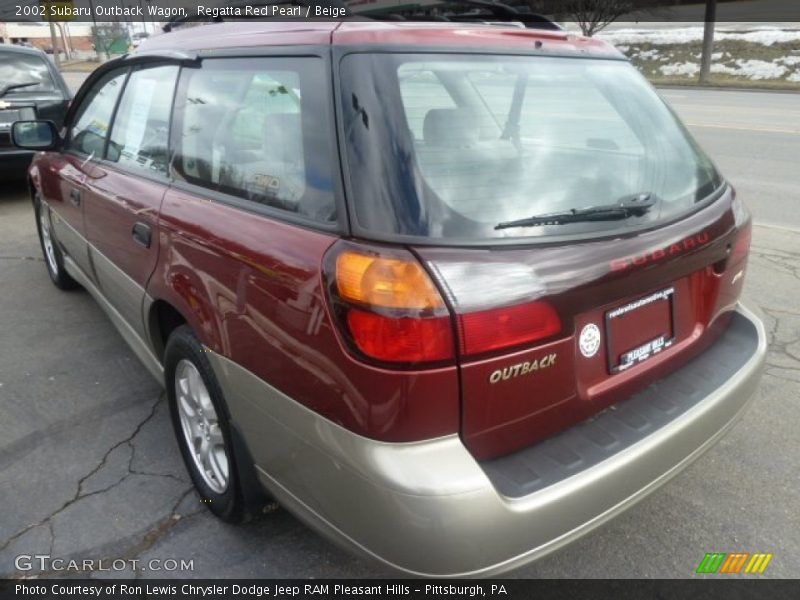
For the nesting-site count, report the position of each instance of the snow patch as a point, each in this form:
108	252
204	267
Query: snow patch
766	36
685	68
760	69
719	68
648	54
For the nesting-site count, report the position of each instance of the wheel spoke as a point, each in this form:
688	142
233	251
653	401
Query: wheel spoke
203	451
183	386
187	406
190	427
219	464
215	434
204	401
194	384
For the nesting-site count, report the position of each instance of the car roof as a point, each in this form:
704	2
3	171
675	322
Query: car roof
13	48
241	34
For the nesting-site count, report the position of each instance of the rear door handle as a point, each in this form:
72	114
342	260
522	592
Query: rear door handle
142	234
75	196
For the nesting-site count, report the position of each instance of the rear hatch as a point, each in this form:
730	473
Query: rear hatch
25	84
583	243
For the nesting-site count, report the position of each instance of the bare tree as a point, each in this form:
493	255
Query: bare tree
594	15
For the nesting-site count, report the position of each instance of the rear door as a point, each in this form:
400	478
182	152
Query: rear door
125	188
64	185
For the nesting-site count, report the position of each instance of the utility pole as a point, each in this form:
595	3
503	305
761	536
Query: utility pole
67	48
708	40
53	43
94	31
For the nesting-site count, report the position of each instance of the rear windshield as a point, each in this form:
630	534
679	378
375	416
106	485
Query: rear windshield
449	146
22	68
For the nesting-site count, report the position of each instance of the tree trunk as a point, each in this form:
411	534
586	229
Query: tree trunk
708	40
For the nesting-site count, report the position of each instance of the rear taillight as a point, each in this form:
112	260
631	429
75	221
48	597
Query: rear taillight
741	244
488	330
390	311
387	305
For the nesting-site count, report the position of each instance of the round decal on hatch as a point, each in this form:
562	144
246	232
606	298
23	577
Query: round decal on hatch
589	341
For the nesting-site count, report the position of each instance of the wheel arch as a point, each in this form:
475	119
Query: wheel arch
162	319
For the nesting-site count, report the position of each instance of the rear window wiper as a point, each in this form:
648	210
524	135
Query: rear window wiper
15	86
629	206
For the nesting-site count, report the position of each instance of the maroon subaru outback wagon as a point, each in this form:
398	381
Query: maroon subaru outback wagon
453	294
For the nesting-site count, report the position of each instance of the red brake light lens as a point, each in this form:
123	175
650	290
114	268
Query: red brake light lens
497	328
741	246
388	307
404	339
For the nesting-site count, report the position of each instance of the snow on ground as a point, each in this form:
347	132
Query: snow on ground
766	36
648	54
760	53
760	69
687	68
756	70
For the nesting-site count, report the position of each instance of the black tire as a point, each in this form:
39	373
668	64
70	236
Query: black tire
182	347
53	262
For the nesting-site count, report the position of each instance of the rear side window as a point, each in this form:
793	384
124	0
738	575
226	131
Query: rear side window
140	136
257	129
90	130
22	69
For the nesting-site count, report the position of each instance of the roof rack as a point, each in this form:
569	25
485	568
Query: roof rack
482	11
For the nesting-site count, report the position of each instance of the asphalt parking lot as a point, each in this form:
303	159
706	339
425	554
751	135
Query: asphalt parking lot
89	468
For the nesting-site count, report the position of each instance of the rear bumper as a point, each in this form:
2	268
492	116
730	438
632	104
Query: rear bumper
429	508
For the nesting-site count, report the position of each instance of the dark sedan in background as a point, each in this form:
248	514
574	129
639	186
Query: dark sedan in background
30	88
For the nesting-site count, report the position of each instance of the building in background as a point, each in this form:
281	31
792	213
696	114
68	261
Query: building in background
69	36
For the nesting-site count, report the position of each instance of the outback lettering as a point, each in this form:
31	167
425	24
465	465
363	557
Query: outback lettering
523	368
639	260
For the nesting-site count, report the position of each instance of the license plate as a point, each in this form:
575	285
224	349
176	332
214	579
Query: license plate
640	329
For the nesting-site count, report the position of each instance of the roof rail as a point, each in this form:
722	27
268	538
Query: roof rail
484	11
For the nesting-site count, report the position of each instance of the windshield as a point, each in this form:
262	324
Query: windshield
449	146
22	68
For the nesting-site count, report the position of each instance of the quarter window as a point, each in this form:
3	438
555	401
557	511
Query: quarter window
140	134
88	134
257	129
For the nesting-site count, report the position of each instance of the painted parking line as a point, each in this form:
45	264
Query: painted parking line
742	128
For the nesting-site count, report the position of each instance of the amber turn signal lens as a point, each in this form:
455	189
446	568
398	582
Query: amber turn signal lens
385	282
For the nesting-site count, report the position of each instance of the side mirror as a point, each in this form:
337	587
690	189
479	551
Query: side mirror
34	135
